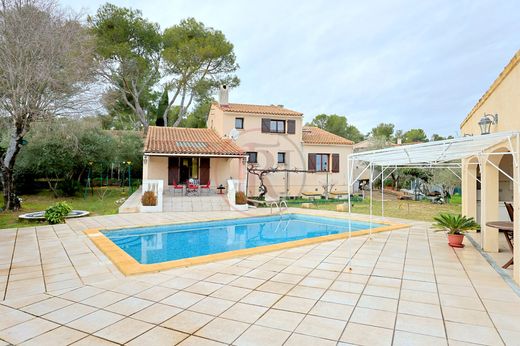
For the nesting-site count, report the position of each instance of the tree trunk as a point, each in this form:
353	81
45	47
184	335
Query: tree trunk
7	168
181	108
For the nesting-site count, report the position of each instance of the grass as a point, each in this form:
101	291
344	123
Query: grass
413	210
102	202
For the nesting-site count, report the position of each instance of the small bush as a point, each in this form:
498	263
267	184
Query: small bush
149	199
240	198
57	213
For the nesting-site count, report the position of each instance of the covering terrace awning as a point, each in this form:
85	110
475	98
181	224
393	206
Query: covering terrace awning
434	153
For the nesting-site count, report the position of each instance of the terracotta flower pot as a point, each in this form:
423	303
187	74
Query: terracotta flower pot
455	240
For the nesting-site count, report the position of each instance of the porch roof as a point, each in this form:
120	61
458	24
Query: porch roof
434	153
188	141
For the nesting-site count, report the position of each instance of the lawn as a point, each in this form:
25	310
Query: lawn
102	202
413	210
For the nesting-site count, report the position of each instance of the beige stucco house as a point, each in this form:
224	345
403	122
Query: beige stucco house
485	201
242	137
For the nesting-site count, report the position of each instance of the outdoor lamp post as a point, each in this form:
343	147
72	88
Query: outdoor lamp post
129	163
485	123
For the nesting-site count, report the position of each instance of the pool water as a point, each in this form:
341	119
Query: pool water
172	242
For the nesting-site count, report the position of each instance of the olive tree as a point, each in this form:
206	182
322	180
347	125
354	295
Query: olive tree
45	70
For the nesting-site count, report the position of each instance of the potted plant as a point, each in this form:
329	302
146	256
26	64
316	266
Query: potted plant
455	226
240	201
149	203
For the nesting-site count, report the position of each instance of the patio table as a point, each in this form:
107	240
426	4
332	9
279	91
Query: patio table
193	190
505	227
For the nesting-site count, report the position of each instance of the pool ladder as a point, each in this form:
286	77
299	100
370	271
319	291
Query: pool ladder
278	206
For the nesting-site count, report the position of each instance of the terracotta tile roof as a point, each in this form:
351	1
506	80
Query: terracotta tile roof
257	109
315	135
179	140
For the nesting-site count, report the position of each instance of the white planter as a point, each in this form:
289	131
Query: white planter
239	207
150	209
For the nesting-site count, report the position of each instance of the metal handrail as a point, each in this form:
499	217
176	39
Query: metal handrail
271	205
281	204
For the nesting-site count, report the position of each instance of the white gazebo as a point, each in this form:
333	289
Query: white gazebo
465	153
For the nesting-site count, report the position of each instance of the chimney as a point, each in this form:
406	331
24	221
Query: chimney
223	96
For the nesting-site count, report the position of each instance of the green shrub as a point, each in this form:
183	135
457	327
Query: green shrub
56	214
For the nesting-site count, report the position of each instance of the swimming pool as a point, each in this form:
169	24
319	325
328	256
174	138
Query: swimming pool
150	245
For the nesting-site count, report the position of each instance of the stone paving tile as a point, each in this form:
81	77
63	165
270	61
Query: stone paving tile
59	336
305	295
95	321
124	330
26	330
69	313
259	335
223	330
244	312
279	319
159	336
360	334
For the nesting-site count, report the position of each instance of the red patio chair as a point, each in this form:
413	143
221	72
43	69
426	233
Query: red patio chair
206	187
177	187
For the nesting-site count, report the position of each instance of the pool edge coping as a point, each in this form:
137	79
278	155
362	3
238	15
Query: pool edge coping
127	265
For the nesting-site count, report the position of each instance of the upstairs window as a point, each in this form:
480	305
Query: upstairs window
277	126
239	123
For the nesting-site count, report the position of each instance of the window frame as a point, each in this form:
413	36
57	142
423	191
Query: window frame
242	123
284	155
255	153
322	164
277	128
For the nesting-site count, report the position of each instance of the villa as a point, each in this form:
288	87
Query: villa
244	137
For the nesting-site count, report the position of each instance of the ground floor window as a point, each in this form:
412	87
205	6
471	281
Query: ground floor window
281	157
252	157
322	162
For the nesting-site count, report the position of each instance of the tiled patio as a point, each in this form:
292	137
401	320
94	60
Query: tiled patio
406	287
176	201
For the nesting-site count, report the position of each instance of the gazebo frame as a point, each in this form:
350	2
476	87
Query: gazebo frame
446	154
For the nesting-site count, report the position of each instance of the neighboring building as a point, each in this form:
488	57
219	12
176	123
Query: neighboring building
502	98
269	136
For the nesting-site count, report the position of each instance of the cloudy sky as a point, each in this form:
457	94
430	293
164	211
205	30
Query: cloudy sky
413	63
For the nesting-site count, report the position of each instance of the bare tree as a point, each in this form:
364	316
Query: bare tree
45	70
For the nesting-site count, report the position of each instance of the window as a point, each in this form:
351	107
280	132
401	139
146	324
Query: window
281	157
252	157
322	162
277	126
239	123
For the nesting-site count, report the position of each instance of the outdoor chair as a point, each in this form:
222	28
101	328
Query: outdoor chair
206	187
510	211
177	188
509	234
